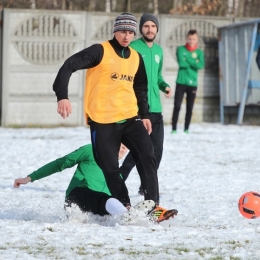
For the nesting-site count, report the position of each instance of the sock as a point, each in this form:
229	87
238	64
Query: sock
114	206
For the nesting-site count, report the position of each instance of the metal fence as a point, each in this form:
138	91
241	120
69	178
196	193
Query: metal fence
239	74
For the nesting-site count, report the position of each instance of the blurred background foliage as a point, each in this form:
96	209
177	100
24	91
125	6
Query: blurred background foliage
226	8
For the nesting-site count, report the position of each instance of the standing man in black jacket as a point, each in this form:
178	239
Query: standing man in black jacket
116	87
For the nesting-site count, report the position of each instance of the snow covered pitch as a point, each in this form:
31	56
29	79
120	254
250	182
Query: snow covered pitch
202	174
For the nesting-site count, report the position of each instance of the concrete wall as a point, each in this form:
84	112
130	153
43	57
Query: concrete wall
1	31
36	43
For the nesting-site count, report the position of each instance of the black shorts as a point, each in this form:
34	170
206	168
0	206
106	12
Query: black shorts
88	200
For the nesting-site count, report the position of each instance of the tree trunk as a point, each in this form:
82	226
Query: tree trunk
176	4
221	11
241	8
63	5
92	5
128	6
198	2
114	3
70	5
33	4
108	7
236	7
155	5
55	4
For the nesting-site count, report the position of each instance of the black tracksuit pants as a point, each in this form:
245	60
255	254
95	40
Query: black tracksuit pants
88	200
178	97
106	141
156	136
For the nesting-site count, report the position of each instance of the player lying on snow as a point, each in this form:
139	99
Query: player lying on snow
88	188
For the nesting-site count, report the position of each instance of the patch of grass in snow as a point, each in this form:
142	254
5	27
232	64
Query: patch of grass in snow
222	258
43	249
25	248
40	249
82	253
49	228
80	250
234	244
128	251
97	245
181	249
50	249
134	252
204	250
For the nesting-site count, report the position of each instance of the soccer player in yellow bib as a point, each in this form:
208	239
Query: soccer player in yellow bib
115	105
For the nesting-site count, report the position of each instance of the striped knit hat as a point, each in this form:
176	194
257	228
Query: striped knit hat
125	22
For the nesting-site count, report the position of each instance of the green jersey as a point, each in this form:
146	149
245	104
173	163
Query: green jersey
88	174
189	64
153	60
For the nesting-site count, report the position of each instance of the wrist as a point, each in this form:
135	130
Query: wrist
145	116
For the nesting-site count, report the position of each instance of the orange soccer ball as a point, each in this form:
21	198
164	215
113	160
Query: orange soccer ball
249	205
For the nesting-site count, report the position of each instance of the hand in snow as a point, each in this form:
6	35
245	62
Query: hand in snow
20	181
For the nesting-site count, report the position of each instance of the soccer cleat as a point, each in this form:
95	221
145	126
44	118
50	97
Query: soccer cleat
138	213
174	132
145	206
159	214
186	131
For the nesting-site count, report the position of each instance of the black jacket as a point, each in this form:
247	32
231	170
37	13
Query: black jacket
91	57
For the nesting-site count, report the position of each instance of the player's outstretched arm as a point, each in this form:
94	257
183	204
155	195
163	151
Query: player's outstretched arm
20	181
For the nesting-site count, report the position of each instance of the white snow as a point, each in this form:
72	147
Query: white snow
202	174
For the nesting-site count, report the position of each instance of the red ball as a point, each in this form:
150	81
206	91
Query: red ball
249	205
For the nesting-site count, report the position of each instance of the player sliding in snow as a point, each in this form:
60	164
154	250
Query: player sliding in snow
88	188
